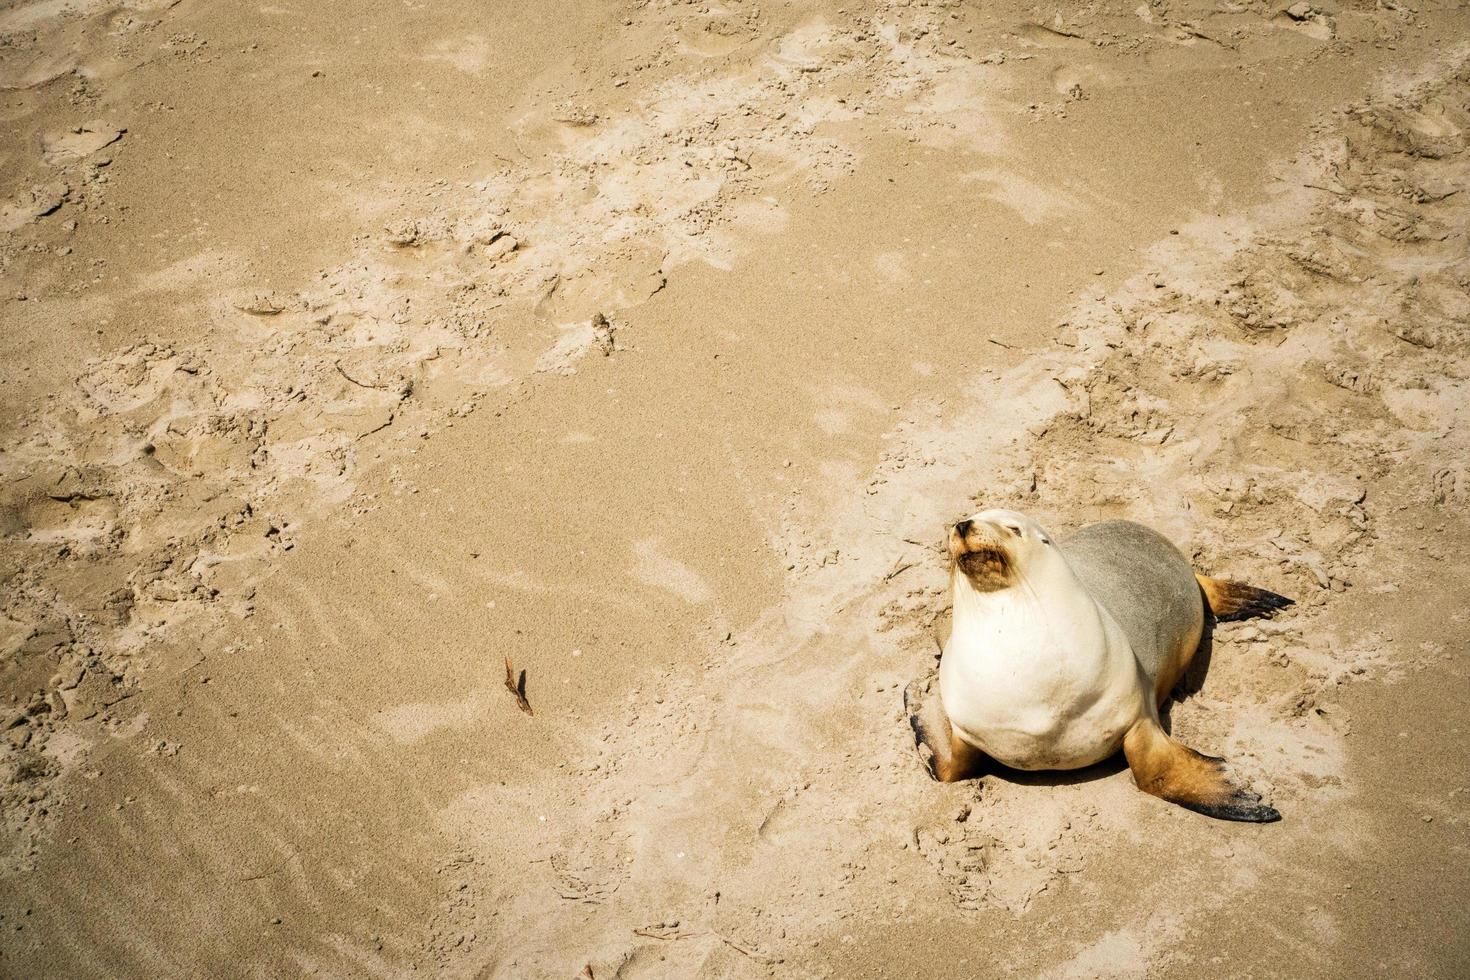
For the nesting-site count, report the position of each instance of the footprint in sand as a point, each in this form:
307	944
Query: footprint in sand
408	724
59	149
655	568
1058	35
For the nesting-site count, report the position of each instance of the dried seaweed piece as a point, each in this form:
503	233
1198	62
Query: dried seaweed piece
516	684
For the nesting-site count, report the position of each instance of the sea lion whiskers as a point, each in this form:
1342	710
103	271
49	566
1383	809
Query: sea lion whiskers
987	563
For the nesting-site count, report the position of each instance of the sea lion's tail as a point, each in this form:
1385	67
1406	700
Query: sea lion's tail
1232	600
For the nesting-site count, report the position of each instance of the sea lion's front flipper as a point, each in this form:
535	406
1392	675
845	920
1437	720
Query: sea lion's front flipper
1179	774
947	757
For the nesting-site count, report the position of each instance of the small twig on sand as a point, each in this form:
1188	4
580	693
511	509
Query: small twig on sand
753	954
516	685
738	947
377	428
1194	31
898	568
338	366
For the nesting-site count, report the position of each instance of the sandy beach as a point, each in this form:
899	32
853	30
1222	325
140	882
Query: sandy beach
355	353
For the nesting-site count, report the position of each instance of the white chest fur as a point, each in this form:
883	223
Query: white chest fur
1037	675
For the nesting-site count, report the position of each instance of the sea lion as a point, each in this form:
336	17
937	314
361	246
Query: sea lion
1062	652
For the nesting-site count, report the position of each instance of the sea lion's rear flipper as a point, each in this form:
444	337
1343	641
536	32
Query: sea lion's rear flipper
946	756
1174	772
1233	600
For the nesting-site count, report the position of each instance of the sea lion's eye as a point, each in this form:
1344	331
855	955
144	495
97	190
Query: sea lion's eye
1013	528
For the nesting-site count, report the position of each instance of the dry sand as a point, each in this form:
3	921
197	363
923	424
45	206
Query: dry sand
308	421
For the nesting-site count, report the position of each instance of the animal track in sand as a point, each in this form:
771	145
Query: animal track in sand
658	569
1264	465
675	169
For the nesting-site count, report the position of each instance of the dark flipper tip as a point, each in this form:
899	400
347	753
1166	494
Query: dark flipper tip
1247	602
1242	805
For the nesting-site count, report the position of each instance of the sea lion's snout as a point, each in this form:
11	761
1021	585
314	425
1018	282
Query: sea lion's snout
961	535
971	534
968	535
978	549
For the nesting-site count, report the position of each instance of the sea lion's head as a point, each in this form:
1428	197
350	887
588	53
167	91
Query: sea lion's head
991	549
